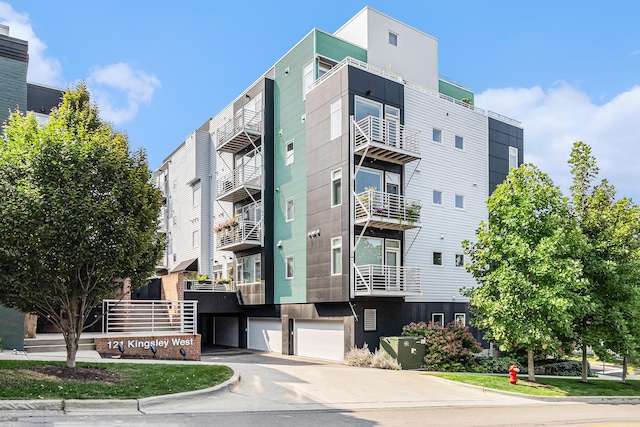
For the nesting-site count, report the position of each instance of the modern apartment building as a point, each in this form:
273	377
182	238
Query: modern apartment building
341	186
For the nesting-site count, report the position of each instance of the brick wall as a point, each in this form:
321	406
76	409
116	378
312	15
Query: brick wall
139	347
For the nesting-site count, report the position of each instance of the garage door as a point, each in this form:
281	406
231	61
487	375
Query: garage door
322	339
264	334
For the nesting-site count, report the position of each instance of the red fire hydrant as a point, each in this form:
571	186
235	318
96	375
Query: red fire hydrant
513	374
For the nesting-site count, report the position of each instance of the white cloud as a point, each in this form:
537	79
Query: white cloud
42	68
554	118
138	88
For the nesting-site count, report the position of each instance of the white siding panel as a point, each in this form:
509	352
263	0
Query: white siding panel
452	171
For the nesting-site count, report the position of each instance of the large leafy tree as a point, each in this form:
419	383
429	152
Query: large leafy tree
525	260
78	215
611	265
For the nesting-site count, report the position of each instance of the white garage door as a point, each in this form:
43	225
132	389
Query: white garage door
322	339
264	334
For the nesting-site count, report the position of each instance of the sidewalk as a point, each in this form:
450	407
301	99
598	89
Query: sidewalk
270	382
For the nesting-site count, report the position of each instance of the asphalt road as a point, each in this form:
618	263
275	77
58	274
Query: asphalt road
544	414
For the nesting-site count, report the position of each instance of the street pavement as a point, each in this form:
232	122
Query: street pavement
270	382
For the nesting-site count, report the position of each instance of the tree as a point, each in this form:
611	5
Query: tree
525	262
78	215
611	264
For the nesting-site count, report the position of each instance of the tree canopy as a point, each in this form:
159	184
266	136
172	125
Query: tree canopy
525	259
78	214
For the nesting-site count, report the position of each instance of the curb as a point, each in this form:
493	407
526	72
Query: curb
133	405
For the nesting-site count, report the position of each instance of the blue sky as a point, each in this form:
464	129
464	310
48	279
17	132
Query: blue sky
568	70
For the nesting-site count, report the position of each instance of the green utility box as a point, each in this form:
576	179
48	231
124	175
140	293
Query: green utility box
408	351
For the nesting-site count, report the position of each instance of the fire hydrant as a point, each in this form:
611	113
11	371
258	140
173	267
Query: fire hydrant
513	374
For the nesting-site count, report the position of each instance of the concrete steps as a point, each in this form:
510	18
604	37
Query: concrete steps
49	345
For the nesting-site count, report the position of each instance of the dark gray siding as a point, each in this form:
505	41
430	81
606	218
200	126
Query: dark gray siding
501	137
41	99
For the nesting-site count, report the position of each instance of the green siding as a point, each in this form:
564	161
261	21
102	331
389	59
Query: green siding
454	91
336	49
13	87
290	180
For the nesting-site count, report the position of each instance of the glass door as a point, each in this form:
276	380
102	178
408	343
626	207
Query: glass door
392	125
392	263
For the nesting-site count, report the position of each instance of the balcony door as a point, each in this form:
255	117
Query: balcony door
392	263
392	125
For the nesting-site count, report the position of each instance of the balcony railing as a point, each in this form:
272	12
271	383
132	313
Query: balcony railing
386	280
150	316
208	286
243	235
234	186
386	140
244	129
385	210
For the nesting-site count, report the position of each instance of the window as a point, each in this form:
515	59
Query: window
336	119
365	107
195	241
196	194
459	260
336	187
249	269
459	202
336	256
437	135
289	210
289	267
393	38
370	319
437	258
459	142
513	157
437	197
289	155
437	318
307	78
217	272
369	251
323	69
460	318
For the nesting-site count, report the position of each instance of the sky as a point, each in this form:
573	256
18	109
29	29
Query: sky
568	70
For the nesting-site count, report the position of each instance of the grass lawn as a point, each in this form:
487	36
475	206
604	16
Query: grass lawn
549	386
51	380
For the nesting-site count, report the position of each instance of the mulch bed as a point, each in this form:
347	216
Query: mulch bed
84	375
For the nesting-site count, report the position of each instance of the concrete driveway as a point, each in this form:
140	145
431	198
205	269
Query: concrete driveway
272	382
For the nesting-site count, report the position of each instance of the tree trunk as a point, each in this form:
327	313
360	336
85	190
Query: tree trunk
624	369
72	334
530	368
585	365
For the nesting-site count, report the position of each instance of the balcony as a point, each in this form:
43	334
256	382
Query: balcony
386	280
209	286
238	236
242	182
389	211
385	140
244	129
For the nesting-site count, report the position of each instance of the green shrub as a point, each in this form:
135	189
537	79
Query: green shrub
415	329
498	365
571	368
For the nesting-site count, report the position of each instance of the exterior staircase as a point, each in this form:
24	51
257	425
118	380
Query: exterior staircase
48	343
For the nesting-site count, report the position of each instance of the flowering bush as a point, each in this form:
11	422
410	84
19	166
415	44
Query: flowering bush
382	360
230	223
359	356
449	348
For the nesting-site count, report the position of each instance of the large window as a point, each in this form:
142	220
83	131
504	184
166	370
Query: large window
289	153
369	251
289	210
368	178
307	78
336	119
513	157
289	267
366	107
336	256
336	187
249	269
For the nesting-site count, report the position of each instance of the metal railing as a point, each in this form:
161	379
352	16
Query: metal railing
381	280
244	120
208	286
150	316
502	118
388	132
240	176
376	204
243	231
